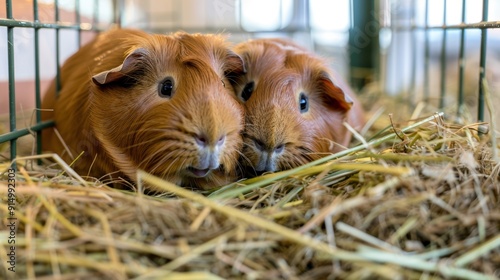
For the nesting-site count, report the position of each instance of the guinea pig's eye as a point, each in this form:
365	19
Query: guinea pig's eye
247	91
303	103
166	87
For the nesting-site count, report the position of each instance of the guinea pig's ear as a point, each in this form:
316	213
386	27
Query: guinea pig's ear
332	94
234	64
129	65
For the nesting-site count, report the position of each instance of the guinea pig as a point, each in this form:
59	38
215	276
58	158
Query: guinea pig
295	106
131	100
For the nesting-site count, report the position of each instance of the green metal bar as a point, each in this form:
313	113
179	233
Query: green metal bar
78	21
12	85
482	65
118	12
58	63
38	99
477	25
95	19
461	66
12	136
413	38
363	46
426	53
30	24
443	61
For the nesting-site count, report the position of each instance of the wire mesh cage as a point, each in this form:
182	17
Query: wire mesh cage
39	37
420	57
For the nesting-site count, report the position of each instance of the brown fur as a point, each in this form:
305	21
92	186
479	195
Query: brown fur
282	70
117	118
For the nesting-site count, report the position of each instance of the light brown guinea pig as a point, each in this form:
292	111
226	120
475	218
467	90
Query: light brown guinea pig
161	103
295	106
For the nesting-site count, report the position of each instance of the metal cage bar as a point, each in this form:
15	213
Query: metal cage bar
78	21
426	53
31	24
476	25
38	94
58	50
95	18
413	38
443	61
461	66
118	11
482	64
12	85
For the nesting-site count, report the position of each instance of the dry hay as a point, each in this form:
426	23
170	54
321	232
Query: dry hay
419	203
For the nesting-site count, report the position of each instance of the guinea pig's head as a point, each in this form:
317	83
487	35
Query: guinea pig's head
294	109
169	109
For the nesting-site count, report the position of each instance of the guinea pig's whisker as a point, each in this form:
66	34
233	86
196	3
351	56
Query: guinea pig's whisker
245	158
183	163
286	162
172	129
236	80
248	145
159	139
152	140
240	168
163	130
147	160
288	166
108	175
295	158
165	171
168	169
176	171
305	150
155	129
170	153
179	167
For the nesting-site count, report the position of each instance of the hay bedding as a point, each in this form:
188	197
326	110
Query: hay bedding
422	203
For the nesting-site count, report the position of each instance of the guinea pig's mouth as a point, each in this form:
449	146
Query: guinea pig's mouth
198	173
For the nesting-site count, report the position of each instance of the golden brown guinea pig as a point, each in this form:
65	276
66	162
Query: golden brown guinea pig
295	106
161	103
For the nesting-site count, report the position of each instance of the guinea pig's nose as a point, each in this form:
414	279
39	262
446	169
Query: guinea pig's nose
260	145
202	140
221	140
278	149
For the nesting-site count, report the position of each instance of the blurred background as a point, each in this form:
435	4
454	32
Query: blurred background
375	45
